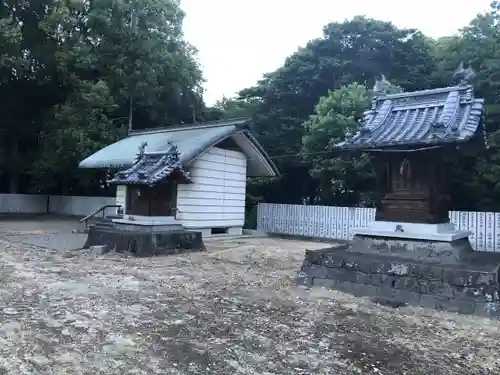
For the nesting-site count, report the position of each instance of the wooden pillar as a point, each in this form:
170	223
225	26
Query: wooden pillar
439	194
149	192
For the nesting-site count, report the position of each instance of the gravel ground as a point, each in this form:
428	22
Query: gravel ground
232	310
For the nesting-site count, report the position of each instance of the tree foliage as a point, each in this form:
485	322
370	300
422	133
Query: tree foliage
320	92
336	115
341	180
358	50
476	177
72	74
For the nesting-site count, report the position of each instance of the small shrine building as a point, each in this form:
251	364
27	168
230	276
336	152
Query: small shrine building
193	174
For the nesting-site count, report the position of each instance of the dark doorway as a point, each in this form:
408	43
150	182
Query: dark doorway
157	200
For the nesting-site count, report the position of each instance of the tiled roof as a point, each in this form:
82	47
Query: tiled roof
421	118
151	168
192	140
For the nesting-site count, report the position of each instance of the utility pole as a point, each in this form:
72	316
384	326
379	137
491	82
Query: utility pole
130	112
131	93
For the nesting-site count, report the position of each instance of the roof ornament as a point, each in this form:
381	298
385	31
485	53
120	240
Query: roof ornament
464	76
381	86
140	154
104	183
173	153
174	149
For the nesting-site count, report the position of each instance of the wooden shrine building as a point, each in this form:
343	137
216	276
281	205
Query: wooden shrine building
152	182
194	175
409	135
412	254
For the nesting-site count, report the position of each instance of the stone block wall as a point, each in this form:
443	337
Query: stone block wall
470	287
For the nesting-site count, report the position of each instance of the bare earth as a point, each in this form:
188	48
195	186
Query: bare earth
232	310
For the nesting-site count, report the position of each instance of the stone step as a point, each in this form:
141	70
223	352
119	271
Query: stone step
437	251
103	220
109	217
104	223
470	286
100	225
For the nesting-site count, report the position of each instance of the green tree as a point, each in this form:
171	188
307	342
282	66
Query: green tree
29	87
475	172
343	180
73	73
353	51
336	115
236	107
79	126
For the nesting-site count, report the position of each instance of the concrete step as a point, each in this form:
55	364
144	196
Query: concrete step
103	220
103	225
110	217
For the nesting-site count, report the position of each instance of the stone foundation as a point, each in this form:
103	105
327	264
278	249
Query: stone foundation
444	232
147	223
449	252
446	276
145	243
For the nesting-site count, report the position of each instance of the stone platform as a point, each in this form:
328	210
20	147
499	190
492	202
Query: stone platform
397	272
143	240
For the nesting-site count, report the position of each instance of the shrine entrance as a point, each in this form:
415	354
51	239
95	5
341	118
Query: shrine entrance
157	200
413	186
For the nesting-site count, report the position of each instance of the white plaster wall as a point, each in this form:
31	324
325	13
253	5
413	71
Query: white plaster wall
121	196
216	198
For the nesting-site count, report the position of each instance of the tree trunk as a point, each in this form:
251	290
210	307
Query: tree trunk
13	166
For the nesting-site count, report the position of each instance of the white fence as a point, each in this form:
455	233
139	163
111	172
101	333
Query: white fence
339	222
79	206
38	204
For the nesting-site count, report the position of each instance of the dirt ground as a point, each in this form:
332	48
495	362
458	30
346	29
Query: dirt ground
231	310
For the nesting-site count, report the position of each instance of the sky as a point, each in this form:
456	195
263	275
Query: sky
240	40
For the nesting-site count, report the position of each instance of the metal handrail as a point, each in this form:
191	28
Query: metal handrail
86	218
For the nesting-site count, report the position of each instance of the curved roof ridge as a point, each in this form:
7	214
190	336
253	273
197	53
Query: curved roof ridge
241	121
439	90
444	115
191	140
